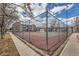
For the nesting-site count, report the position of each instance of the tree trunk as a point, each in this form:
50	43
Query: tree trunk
2	27
1	33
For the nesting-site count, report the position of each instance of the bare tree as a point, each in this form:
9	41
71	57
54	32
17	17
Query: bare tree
8	14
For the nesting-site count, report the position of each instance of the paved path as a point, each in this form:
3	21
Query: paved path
72	47
22	48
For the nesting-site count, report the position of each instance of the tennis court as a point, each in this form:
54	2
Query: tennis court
38	39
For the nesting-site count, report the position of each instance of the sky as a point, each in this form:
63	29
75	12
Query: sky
63	11
71	12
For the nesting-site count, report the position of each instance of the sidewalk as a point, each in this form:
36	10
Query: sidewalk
22	48
72	47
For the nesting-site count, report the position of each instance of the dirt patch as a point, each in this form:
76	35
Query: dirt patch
7	46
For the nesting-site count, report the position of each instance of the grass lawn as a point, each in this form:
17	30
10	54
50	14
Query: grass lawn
7	47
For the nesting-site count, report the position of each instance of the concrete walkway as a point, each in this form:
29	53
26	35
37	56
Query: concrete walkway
22	48
72	47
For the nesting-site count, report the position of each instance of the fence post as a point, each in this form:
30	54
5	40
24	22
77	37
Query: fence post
47	28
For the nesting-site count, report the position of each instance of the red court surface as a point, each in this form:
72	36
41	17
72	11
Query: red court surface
38	39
